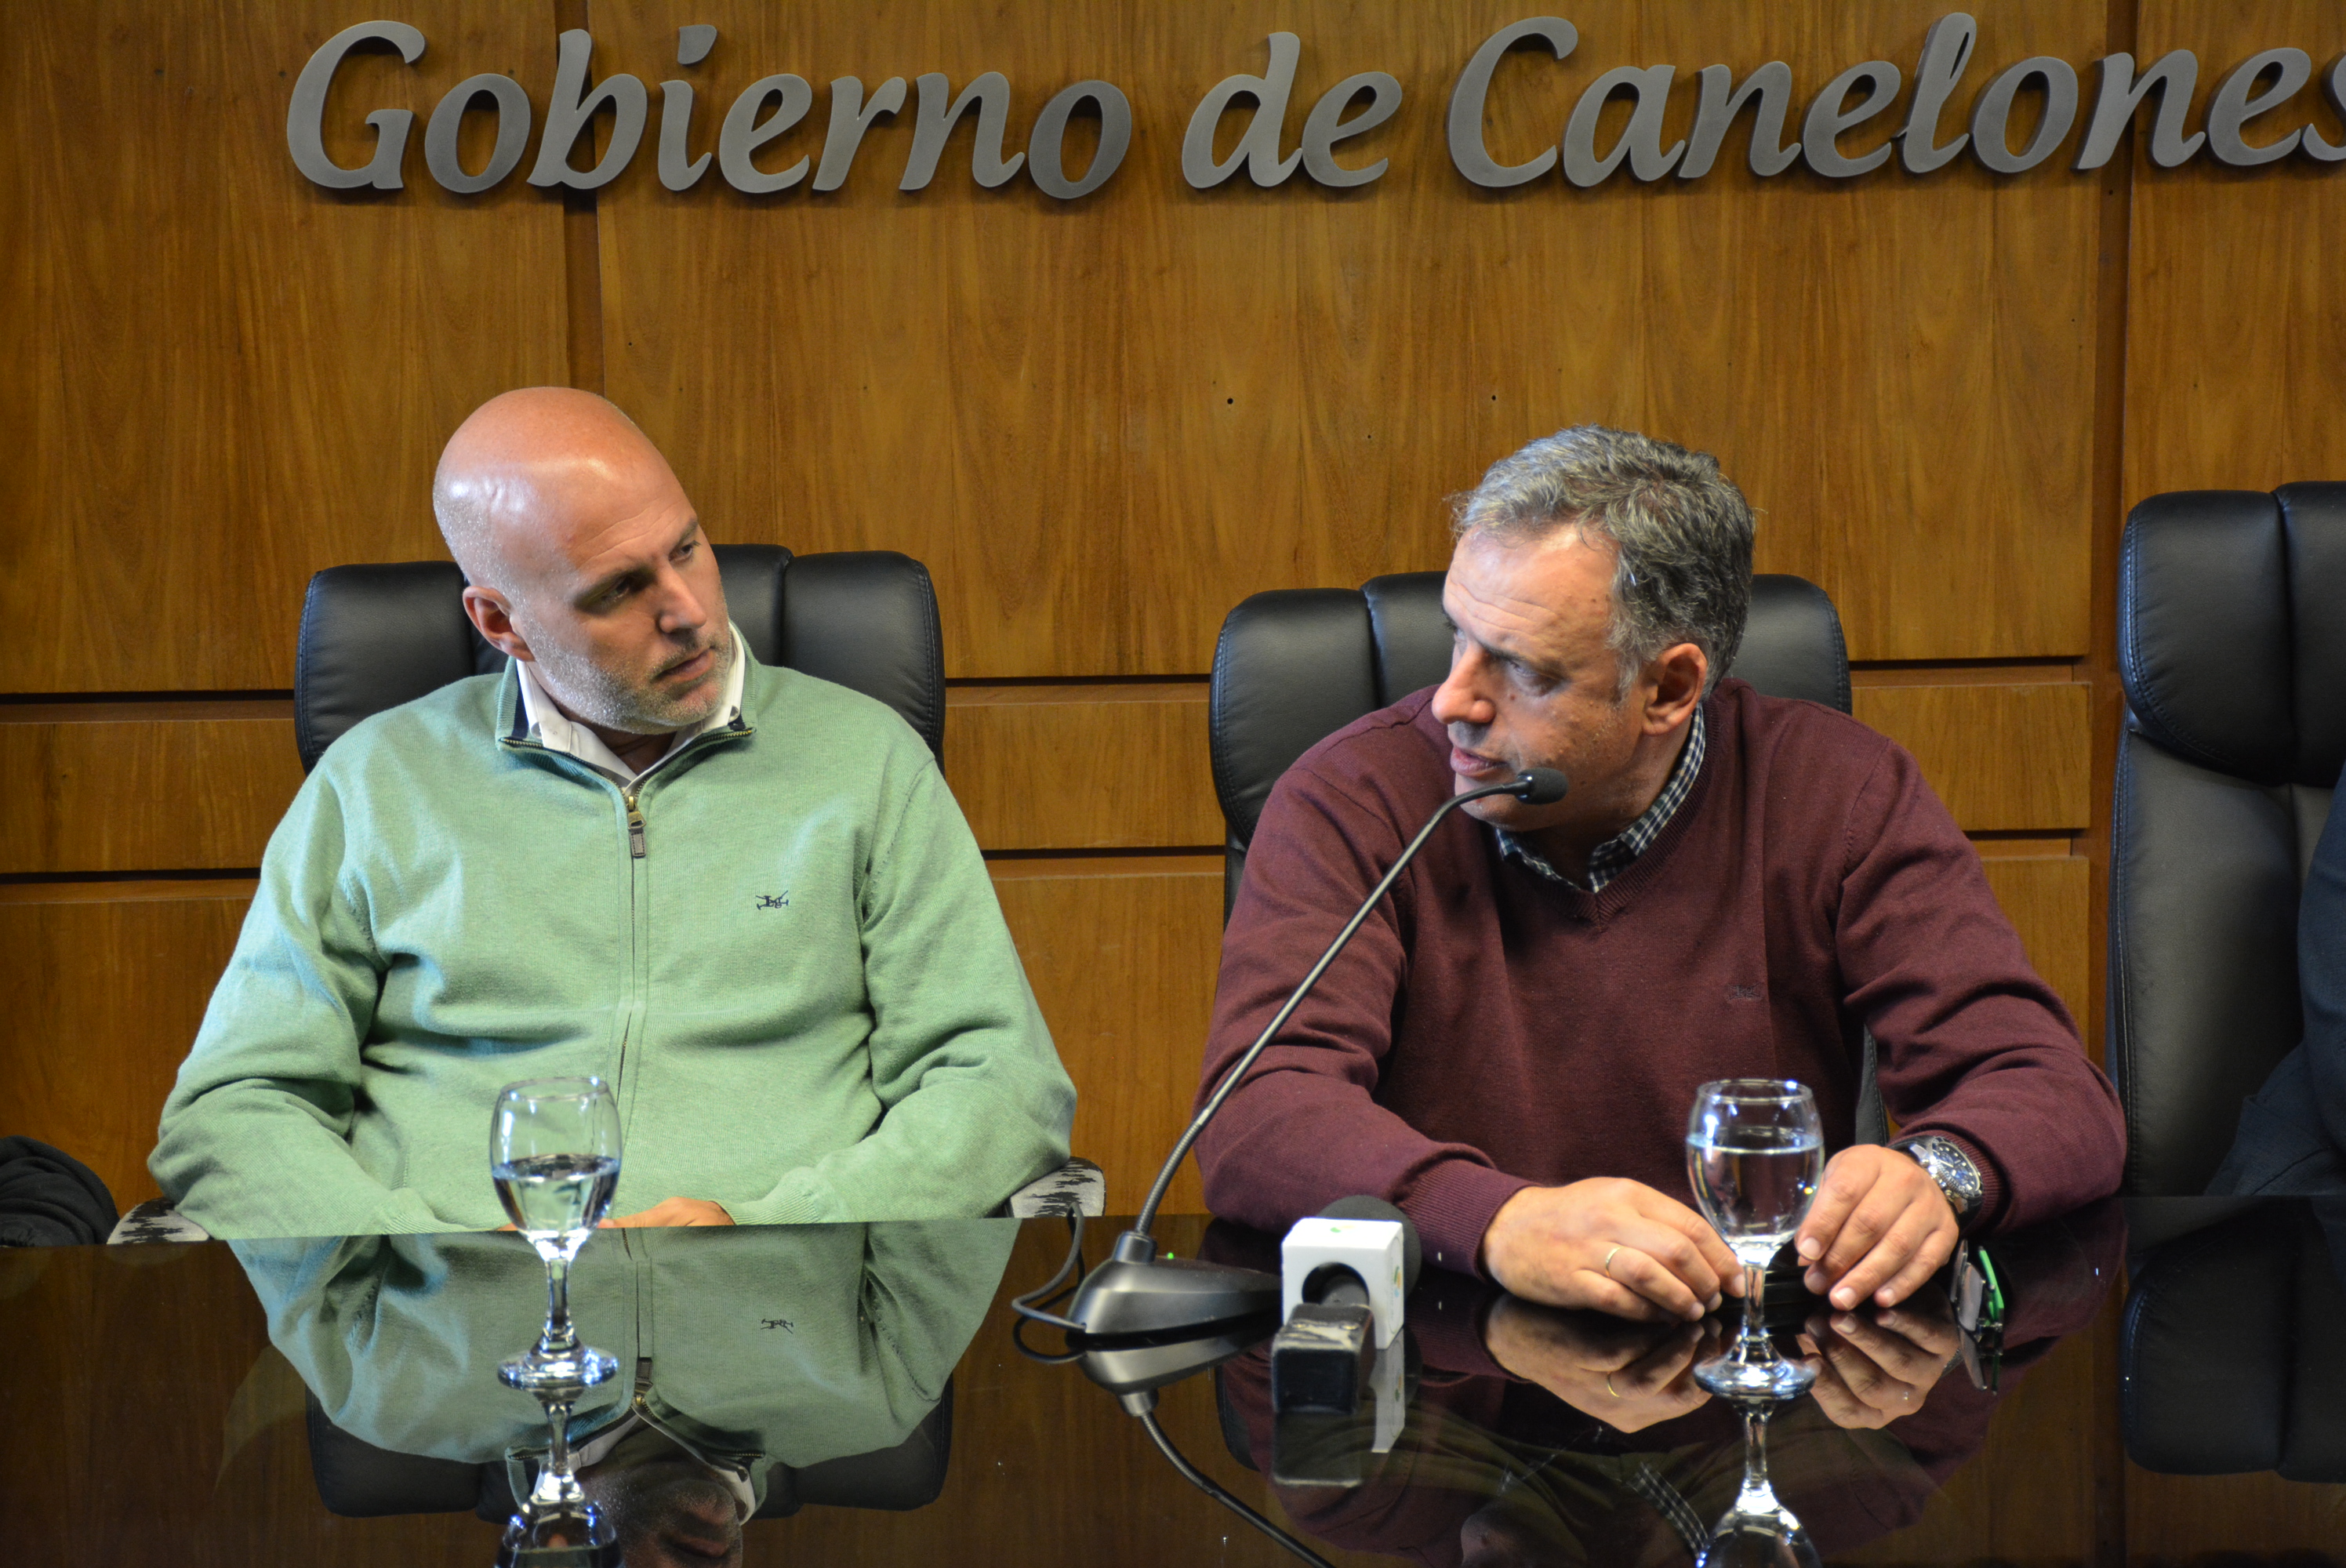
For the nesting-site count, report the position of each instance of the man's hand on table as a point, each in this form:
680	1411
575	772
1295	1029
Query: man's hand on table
673	1211
1628	1376
1616	1245
1879	1228
1875	1366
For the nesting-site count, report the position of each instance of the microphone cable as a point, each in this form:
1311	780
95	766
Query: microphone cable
1033	1307
1208	1485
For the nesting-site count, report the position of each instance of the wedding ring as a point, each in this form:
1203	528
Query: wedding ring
1608	1267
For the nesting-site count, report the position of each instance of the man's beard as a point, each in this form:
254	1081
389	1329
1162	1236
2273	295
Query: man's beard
602	699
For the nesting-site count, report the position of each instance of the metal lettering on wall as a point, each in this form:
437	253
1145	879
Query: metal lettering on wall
2262	85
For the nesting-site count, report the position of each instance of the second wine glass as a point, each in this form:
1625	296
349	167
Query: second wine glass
1755	1154
553	1151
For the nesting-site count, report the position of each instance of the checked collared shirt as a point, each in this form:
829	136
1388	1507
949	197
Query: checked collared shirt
1616	854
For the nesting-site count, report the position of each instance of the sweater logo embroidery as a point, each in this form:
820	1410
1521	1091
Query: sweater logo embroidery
1742	993
780	900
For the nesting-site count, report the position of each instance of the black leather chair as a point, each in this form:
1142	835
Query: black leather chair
359	1480
374	636
1296	664
2229	1358
2232	652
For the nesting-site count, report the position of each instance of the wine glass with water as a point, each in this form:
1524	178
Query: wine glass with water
1755	1153
553	1149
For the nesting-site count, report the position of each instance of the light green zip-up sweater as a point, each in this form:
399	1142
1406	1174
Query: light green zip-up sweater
791	967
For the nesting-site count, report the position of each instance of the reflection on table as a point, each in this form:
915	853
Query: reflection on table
2233	1353
149	1417
762	1368
1536	1436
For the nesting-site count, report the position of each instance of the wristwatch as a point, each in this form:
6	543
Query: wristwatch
1946	1163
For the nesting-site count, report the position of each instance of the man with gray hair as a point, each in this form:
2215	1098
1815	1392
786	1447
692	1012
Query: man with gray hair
741	895
1736	887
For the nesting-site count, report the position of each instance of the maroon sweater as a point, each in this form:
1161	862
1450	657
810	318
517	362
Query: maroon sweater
1489	1029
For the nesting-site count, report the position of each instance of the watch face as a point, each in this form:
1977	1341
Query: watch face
1948	1166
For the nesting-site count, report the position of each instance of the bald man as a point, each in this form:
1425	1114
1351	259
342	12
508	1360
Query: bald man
741	895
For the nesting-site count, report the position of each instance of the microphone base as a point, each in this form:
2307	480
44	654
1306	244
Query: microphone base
1134	1292
1140	1364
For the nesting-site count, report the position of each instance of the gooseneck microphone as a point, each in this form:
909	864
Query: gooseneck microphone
1134	1292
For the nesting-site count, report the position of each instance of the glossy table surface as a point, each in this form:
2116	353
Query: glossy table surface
337	1400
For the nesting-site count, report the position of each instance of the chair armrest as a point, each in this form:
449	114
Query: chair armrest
154	1221
1077	1188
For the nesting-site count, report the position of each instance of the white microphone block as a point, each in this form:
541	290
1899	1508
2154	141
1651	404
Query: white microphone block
1370	1249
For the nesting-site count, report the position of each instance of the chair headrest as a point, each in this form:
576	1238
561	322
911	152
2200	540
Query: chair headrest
1792	642
2231	644
373	637
1293	666
377	636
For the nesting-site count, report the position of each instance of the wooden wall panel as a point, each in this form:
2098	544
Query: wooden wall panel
2048	899
100	998
1104	422
2235	319
222	378
1122	955
1082	767
2005	757
145	787
2246	1519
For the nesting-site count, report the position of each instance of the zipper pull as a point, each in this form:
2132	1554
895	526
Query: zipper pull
634	825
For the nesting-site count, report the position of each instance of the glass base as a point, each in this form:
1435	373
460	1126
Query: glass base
1735	1376
534	1371
1745	1540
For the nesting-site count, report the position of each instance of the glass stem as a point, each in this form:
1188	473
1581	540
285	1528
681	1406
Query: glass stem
558	1449
1758	1495
559	1336
557	1486
1755	1312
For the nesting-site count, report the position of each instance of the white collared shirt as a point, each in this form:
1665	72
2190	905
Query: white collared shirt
556	731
